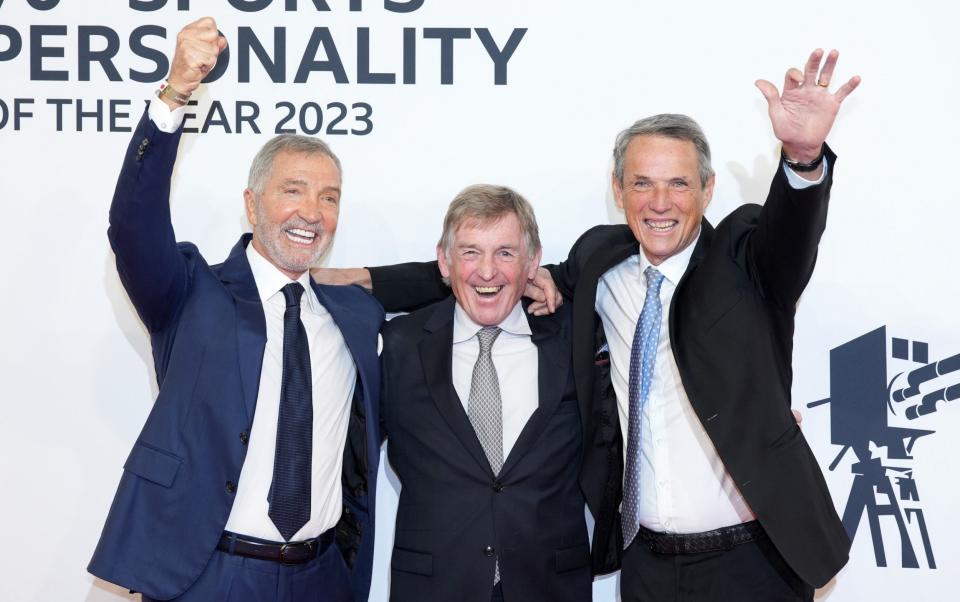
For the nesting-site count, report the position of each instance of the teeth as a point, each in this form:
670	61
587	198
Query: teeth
487	289
661	226
301	236
302	233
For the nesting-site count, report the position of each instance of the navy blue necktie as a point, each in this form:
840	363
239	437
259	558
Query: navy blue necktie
290	490
643	355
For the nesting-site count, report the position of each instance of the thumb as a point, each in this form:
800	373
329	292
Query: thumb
221	43
768	90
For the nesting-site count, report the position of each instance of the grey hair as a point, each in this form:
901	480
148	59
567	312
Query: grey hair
669	125
285	143
486	203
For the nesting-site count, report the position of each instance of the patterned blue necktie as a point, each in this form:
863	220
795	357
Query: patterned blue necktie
290	490
643	355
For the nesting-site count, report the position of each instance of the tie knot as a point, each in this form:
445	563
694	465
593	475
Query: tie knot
487	335
292	293
654	279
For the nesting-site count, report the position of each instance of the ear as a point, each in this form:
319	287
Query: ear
708	191
442	262
617	190
250	204
534	265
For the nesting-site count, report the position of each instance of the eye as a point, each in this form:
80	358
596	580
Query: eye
642	184
507	254
331	199
679	184
291	191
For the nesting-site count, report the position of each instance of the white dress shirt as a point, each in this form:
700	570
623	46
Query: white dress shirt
333	375
516	359
684	486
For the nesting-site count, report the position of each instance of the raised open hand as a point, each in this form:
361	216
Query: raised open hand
803	115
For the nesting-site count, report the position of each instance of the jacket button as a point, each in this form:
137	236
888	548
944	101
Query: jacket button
244	438
489	551
144	144
498	486
231	487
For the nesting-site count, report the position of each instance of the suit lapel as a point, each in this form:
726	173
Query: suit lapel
236	276
585	320
553	361
703	243
436	356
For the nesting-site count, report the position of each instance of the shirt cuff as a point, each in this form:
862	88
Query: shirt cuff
165	119
796	182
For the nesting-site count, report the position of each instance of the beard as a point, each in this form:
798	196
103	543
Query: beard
281	251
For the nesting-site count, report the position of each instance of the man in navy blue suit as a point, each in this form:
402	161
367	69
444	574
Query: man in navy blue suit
254	475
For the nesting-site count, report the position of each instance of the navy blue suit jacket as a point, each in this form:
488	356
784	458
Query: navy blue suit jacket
207	331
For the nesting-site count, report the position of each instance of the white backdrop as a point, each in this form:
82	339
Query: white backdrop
77	379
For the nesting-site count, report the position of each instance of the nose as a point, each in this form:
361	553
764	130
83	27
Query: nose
310	211
661	199
486	268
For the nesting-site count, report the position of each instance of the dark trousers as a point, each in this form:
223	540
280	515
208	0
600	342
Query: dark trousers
497	595
230	578
750	572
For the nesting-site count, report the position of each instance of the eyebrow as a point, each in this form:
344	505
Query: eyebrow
301	182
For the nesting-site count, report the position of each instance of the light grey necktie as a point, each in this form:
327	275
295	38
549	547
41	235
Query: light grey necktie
484	408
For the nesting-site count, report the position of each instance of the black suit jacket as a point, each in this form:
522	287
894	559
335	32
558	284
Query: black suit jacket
731	327
455	516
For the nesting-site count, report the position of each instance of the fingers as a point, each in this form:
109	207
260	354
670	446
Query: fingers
847	88
797	417
198	46
768	90
793	79
826	74
538	308
812	68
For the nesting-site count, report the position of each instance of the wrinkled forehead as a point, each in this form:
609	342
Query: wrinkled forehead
503	229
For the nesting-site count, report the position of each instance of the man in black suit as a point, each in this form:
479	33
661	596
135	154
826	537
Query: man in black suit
480	409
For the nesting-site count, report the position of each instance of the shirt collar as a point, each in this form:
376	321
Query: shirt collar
464	328
674	266
270	280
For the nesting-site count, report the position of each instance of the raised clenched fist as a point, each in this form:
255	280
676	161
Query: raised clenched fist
198	46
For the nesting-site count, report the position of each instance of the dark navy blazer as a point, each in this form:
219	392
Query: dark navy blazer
207	331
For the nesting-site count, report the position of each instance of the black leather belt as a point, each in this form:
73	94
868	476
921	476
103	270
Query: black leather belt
297	552
724	538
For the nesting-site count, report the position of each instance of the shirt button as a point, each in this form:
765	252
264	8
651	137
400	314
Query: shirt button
489	551
231	487
244	438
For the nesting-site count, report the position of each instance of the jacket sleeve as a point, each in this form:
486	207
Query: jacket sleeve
566	273
408	286
150	265
782	250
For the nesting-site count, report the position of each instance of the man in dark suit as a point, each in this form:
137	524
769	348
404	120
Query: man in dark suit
701	484
254	475
480	410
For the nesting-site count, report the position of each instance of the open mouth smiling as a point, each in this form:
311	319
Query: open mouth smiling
660	225
300	236
488	291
